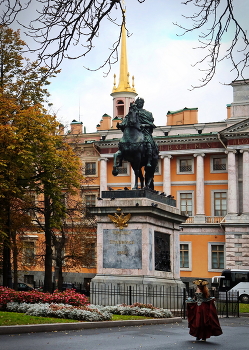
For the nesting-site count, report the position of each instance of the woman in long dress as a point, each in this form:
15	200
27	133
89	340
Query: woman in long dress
202	315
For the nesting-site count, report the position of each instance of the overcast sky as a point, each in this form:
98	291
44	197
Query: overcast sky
161	62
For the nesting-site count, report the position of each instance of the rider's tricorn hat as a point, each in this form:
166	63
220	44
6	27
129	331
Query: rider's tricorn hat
200	282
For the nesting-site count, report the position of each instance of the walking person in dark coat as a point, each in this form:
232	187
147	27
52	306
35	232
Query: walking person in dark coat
203	320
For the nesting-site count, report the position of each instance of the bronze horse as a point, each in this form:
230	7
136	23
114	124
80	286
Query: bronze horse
132	148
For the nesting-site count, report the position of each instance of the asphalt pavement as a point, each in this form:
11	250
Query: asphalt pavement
137	337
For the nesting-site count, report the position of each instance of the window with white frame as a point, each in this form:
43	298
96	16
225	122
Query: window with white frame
29	279
218	164
185	165
28	252
186	203
220	203
216	256
158	168
90	254
185	256
90	200
64	199
124	169
90	168
32	205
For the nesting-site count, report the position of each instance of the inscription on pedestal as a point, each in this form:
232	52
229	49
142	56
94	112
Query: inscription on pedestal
122	249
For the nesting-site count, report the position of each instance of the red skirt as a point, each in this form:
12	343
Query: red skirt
203	320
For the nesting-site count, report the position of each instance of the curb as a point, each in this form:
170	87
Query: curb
52	327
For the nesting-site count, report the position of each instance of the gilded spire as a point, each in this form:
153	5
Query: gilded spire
124	84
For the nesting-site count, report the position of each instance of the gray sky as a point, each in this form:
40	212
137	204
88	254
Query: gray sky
161	62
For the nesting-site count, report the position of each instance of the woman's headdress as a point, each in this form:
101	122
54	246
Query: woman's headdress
200	282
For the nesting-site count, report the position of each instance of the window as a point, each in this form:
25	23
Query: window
216	256
158	168
29	279
120	108
90	168
184	256
220	203
218	164
162	252
64	199
90	200
123	170
28	253
186	205
185	165
90	254
32	205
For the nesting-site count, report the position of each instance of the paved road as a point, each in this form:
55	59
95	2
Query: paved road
153	337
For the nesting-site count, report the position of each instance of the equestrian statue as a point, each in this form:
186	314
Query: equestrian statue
137	145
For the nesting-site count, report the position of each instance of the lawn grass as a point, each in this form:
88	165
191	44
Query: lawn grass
129	317
243	307
15	318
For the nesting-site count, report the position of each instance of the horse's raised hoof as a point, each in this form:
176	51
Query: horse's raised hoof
115	172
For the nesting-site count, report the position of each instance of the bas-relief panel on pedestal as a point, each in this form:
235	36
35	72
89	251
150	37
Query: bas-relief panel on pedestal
122	249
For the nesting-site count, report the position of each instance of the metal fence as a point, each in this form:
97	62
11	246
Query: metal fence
171	298
159	296
79	287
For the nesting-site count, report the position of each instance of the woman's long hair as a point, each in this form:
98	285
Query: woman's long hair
204	290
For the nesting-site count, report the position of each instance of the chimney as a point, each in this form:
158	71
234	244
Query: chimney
105	123
76	127
115	121
183	116
228	111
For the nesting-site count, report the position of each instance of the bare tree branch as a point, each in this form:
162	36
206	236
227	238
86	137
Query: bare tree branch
10	10
219	17
58	25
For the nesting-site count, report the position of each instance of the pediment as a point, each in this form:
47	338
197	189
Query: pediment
240	129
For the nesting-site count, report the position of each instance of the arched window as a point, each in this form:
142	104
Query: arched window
120	108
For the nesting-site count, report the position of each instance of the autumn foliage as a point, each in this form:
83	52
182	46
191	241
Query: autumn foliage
38	169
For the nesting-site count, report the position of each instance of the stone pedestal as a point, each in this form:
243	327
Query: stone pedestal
137	243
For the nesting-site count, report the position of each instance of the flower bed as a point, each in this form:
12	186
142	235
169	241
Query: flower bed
138	309
60	311
86	313
69	296
71	305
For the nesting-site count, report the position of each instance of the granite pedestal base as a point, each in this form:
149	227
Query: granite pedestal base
138	256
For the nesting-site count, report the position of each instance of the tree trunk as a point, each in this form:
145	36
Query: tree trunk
15	264
60	277
48	286
7	276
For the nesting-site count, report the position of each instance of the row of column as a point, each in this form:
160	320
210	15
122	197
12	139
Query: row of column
232	202
233	191
199	180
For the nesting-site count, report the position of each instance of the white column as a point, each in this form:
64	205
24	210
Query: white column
200	210
103	174
232	200
245	180
166	174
